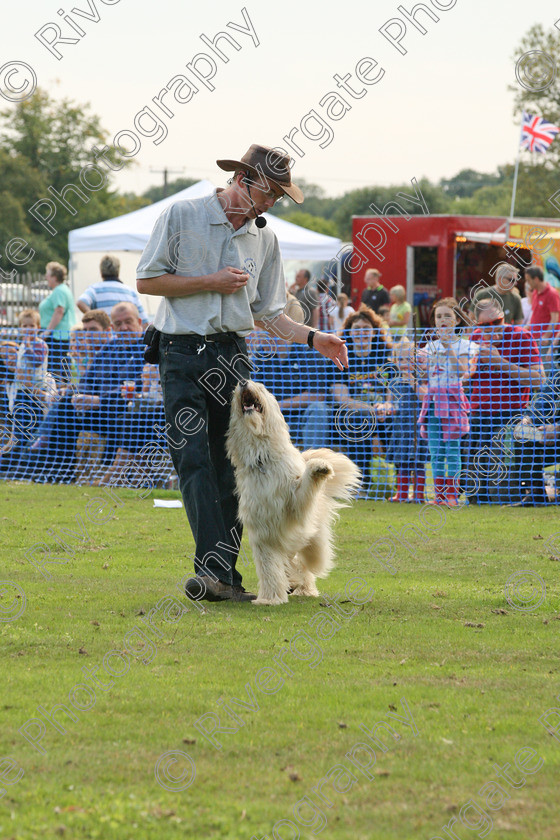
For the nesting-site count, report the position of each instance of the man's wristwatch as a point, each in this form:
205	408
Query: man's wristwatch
310	337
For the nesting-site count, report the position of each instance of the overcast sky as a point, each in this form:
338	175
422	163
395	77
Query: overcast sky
443	106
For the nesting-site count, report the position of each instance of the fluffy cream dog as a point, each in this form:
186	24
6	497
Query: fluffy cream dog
288	500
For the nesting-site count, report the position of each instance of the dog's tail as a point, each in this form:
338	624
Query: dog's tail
347	477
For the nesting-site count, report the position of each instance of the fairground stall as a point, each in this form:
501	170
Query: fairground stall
436	256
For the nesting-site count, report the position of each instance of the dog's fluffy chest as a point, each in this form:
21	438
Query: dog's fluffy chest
268	488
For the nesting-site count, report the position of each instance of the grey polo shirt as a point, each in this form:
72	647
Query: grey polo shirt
193	239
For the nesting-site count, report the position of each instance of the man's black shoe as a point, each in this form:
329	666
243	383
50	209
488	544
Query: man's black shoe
241	594
203	588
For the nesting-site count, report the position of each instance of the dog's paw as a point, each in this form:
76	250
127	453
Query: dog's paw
269	602
311	592
320	468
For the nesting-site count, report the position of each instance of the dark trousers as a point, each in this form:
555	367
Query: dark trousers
63	424
483	457
530	460
137	426
198	378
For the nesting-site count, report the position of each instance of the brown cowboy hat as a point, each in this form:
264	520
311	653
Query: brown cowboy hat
268	165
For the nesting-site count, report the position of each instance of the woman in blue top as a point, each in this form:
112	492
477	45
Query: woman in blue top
58	316
360	391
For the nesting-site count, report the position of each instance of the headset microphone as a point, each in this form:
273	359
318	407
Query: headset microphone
259	221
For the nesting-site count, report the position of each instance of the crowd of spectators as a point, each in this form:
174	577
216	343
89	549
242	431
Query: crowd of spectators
108	408
58	315
475	400
457	396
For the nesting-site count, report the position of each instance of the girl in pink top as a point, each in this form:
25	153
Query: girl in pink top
444	418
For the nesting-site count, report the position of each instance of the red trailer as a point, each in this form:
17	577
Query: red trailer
437	256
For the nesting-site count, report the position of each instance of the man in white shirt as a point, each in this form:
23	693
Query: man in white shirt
220	273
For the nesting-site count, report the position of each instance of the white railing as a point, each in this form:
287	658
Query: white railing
26	291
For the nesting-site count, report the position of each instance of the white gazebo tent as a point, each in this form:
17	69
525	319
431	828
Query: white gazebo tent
126	236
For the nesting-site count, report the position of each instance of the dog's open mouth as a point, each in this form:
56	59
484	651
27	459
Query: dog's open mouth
249	402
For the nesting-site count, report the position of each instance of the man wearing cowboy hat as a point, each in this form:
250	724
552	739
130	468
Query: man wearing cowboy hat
220	273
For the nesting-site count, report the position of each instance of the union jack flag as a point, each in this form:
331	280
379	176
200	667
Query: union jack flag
536	133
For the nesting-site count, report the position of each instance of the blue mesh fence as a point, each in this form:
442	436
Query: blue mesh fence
86	410
473	417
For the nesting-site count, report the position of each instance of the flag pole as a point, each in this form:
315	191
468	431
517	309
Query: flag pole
514	190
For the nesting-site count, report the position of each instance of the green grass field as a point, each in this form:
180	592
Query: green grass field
475	672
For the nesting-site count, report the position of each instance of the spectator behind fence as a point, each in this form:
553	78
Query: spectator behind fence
339	313
505	293
375	295
444	418
384	314
509	367
552	269
361	389
110	291
8	361
97	405
537	445
300	386
32	381
545	310
307	296
294	309
526	304
136	462
87	341
58	316
326	305
406	448
30	389
400	312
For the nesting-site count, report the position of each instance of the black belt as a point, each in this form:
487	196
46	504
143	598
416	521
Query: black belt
213	338
221	337
227	338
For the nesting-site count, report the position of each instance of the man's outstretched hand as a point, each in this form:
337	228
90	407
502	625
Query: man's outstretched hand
332	348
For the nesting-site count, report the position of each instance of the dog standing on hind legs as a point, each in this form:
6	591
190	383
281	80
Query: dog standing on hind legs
288	500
